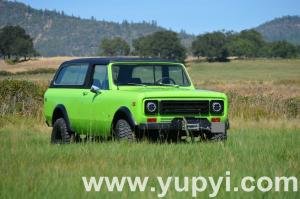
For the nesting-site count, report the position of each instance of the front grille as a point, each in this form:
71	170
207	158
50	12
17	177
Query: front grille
169	107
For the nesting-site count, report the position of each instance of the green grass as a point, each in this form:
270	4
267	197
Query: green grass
263	141
33	168
255	70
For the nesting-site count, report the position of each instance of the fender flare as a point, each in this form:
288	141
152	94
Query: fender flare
124	112
62	110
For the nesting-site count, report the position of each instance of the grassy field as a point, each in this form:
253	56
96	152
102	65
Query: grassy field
264	140
52	62
247	70
33	168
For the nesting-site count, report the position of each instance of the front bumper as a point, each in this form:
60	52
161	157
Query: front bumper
186	124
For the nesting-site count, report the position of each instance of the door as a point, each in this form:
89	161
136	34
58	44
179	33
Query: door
93	103
69	83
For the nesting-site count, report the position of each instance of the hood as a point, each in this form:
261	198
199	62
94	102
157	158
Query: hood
171	92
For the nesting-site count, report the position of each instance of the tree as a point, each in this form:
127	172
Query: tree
114	47
283	49
247	43
256	40
24	48
161	44
241	47
14	42
211	45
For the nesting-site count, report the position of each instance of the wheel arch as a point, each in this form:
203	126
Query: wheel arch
61	112
124	113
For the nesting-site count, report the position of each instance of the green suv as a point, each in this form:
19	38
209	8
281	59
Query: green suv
124	98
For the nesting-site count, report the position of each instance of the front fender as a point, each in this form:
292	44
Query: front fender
124	113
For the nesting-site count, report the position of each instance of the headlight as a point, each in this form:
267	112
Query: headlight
151	107
216	107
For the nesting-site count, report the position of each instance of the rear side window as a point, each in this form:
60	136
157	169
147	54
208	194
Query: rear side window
72	75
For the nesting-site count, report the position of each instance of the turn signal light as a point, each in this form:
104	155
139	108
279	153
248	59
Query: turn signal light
215	119
151	119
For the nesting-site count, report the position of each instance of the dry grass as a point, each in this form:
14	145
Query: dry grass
49	62
257	100
283	90
257	89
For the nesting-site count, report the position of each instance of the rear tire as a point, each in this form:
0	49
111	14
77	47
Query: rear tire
123	131
60	133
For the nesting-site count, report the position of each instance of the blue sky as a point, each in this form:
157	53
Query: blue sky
193	16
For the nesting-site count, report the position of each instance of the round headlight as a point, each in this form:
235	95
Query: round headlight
151	107
217	107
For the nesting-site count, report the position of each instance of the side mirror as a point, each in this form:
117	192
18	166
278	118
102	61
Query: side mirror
95	89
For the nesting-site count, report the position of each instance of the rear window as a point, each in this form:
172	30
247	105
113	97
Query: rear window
72	75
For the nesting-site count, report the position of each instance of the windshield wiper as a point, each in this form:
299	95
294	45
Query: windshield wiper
135	84
173	85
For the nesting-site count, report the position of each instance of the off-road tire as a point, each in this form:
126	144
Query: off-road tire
60	133
123	131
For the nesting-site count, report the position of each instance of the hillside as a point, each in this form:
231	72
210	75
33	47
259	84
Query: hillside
284	28
55	33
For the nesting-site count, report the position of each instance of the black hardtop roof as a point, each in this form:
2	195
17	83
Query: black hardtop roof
107	60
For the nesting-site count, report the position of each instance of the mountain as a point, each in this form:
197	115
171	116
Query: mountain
284	28
55	33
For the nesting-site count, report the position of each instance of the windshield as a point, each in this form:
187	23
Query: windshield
150	75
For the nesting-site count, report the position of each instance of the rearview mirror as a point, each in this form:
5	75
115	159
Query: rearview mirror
95	89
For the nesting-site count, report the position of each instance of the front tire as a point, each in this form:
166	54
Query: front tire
60	133
123	131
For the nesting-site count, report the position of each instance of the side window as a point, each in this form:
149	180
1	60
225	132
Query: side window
72	75
100	77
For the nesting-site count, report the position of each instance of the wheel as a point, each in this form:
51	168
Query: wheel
60	133
123	131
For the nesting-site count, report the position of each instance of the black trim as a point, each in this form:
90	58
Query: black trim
175	124
124	112
149	63
107	60
65	64
62	108
184	107
89	76
102	61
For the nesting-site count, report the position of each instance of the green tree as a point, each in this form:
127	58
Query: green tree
241	47
114	47
15	43
211	45
257	42
162	44
283	49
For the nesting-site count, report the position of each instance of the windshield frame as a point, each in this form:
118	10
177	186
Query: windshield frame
187	77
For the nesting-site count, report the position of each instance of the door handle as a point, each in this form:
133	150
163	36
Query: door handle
85	93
